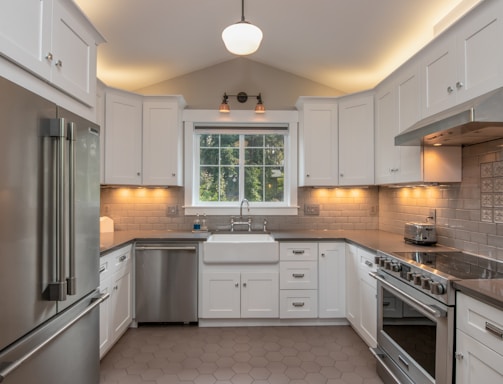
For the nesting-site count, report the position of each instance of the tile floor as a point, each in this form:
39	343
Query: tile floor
244	355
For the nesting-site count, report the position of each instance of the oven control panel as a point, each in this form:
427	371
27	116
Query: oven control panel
419	278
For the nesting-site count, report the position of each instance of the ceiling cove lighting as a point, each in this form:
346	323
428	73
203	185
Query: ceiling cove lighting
242	38
242	97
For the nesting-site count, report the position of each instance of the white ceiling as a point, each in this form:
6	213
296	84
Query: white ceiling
348	45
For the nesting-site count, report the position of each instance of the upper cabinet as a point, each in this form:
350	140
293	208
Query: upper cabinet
464	62
318	135
356	139
53	40
143	139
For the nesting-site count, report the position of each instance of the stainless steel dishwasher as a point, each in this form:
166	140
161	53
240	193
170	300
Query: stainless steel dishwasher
166	282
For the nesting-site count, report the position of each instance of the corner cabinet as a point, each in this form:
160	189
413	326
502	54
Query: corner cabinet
143	139
479	344
115	313
465	61
318	141
53	40
356	139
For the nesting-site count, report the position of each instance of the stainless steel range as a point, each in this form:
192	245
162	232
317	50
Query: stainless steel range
416	302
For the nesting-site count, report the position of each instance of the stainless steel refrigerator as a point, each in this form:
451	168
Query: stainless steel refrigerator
49	242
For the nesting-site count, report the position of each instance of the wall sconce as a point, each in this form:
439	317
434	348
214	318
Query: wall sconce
242	97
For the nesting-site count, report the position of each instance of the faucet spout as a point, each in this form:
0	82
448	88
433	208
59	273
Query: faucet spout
241	207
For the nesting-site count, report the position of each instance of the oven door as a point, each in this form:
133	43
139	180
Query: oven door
415	333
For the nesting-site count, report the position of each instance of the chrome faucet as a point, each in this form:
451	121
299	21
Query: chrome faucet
241	207
241	221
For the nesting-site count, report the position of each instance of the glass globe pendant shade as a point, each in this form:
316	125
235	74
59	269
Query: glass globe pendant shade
242	38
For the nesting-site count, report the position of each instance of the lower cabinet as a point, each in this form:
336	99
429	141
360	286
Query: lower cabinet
239	294
116	312
479	344
361	292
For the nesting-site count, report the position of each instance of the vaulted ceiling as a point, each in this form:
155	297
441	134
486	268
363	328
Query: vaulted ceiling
348	45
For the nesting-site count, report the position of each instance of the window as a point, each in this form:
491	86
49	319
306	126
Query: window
226	163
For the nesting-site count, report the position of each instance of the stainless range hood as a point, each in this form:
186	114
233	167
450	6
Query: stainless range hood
476	121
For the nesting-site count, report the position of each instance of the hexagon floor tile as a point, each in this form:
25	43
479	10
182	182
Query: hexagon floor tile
244	355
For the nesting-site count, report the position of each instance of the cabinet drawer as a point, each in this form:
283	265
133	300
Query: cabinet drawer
298	275
366	260
115	261
481	321
105	268
298	251
298	304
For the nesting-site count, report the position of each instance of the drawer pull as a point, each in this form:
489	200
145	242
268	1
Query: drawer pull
496	331
103	268
368	263
122	258
298	251
298	275
298	304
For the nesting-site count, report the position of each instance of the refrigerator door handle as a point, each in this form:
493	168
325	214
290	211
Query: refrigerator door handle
8	366
71	280
56	129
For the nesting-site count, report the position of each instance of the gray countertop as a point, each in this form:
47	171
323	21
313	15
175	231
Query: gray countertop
490	291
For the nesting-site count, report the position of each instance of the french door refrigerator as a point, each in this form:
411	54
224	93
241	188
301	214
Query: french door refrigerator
49	242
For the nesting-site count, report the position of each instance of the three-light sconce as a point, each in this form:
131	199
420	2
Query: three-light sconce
242	97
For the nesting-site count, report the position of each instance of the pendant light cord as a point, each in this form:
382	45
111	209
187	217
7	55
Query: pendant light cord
242	10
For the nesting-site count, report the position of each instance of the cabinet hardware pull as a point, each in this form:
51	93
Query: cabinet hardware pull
236	285
298	251
403	361
386	303
244	285
368	263
450	89
59	64
298	275
496	331
122	258
49	56
458	356
103	268
459	85
298	304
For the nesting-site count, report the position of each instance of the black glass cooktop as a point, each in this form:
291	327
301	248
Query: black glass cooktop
456	264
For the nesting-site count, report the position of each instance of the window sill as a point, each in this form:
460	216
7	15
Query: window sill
234	211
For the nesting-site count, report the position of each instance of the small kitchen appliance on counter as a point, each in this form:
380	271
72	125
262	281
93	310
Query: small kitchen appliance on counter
420	233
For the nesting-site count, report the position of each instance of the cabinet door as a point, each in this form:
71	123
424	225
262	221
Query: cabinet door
318	145
121	302
105	335
352	285
476	363
480	57
438	70
161	143
387	156
221	295
123	138
259	295
332	282
356	140
74	56
25	33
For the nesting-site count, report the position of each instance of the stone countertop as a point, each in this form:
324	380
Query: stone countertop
490	291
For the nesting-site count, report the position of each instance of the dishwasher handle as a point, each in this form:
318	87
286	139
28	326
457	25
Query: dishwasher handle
166	248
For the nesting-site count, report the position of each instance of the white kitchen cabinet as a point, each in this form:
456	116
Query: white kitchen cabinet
123	138
115	313
398	108
332	280
356	139
479	352
143	139
318	138
465	61
361	293
162	141
232	294
53	40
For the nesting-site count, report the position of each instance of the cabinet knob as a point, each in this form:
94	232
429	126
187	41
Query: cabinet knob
322	255
308	175
236	285
59	64
49	56
341	175
458	356
459	85
450	89
244	285
138	173
173	174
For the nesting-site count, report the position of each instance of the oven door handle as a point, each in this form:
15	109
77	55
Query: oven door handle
436	312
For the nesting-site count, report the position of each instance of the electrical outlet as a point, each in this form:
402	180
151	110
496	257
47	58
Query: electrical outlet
312	209
172	210
373	210
432	218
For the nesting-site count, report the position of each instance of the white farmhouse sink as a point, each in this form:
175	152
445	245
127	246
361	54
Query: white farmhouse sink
239	248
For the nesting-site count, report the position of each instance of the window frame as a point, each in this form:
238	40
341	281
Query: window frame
284	120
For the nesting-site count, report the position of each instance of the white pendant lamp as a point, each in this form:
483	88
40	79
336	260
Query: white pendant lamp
242	38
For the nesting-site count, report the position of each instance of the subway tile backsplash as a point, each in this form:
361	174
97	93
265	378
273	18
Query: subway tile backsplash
461	216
